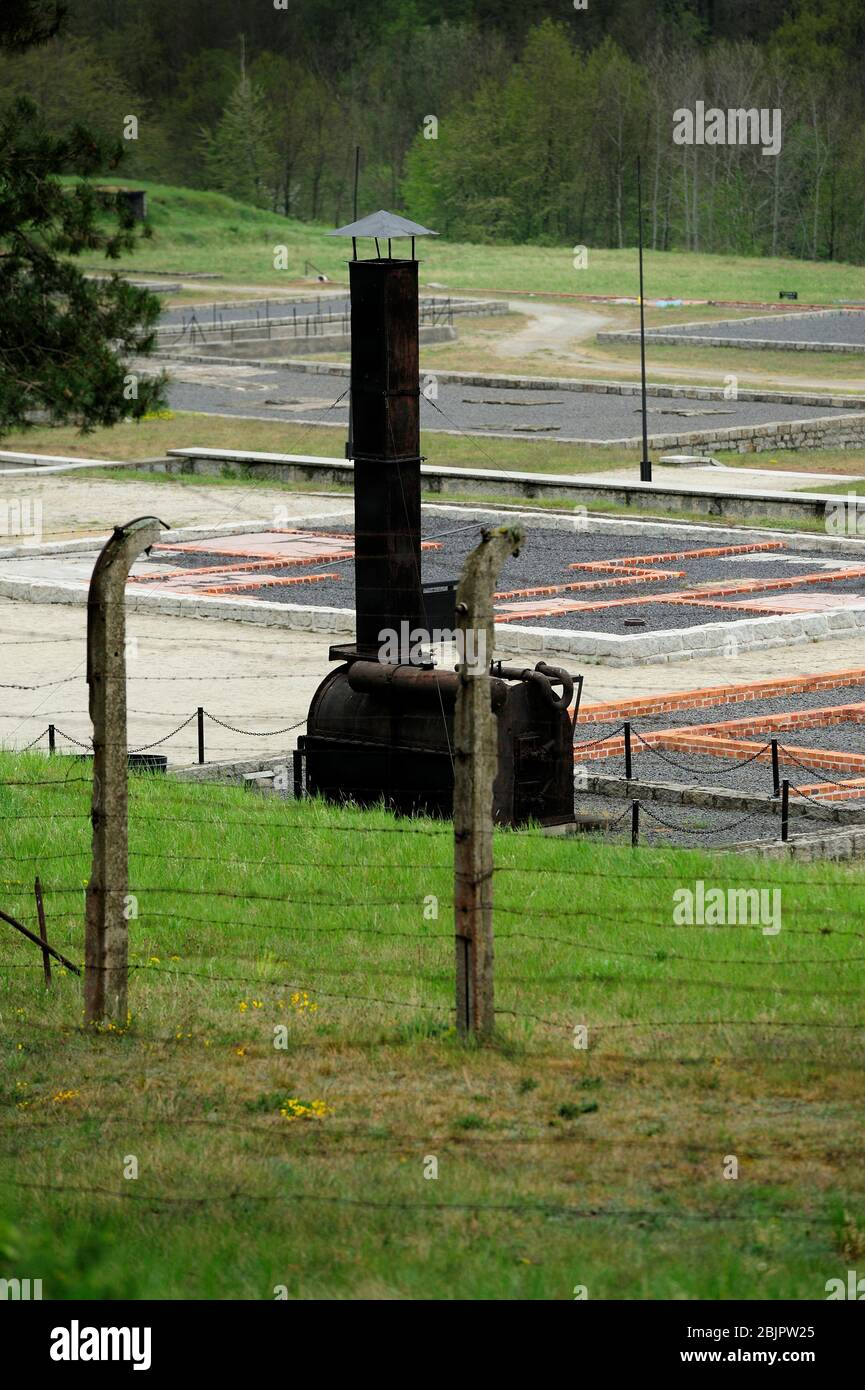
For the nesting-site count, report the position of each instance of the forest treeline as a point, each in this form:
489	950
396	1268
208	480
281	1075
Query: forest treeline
487	119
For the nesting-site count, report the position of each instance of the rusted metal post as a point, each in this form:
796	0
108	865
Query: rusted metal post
106	942
43	932
475	765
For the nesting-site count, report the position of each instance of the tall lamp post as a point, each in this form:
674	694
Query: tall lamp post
645	462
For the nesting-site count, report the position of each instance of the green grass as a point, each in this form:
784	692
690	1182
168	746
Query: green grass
556	1166
854	486
152	438
196	230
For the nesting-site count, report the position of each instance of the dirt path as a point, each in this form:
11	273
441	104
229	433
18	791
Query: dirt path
552	330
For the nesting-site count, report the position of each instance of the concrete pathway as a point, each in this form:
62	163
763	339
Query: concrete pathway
724	478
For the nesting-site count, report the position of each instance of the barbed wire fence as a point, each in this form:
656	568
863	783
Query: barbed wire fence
291	916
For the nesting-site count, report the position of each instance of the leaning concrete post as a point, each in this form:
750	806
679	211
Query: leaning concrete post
106	944
475	766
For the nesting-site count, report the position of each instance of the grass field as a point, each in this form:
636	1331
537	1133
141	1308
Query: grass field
178	429
261	1166
151	439
196	230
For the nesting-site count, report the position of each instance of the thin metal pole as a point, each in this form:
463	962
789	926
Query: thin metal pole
578	687
43	932
785	810
200	717
635	824
645	462
31	936
52	739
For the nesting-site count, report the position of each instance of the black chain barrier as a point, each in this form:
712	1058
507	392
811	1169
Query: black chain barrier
252	733
683	768
593	742
690	830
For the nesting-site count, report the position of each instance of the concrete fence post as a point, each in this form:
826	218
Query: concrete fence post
106	940
475	765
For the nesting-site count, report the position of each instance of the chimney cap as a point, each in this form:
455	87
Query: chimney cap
383	224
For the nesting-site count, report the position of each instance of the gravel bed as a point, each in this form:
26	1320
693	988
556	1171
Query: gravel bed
195	560
828	328
702	770
842	738
690	769
543	561
745	709
510	410
656	618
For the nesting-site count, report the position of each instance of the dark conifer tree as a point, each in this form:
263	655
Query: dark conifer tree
65	341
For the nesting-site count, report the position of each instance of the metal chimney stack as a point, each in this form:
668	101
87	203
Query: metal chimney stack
380	730
385	432
385	411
